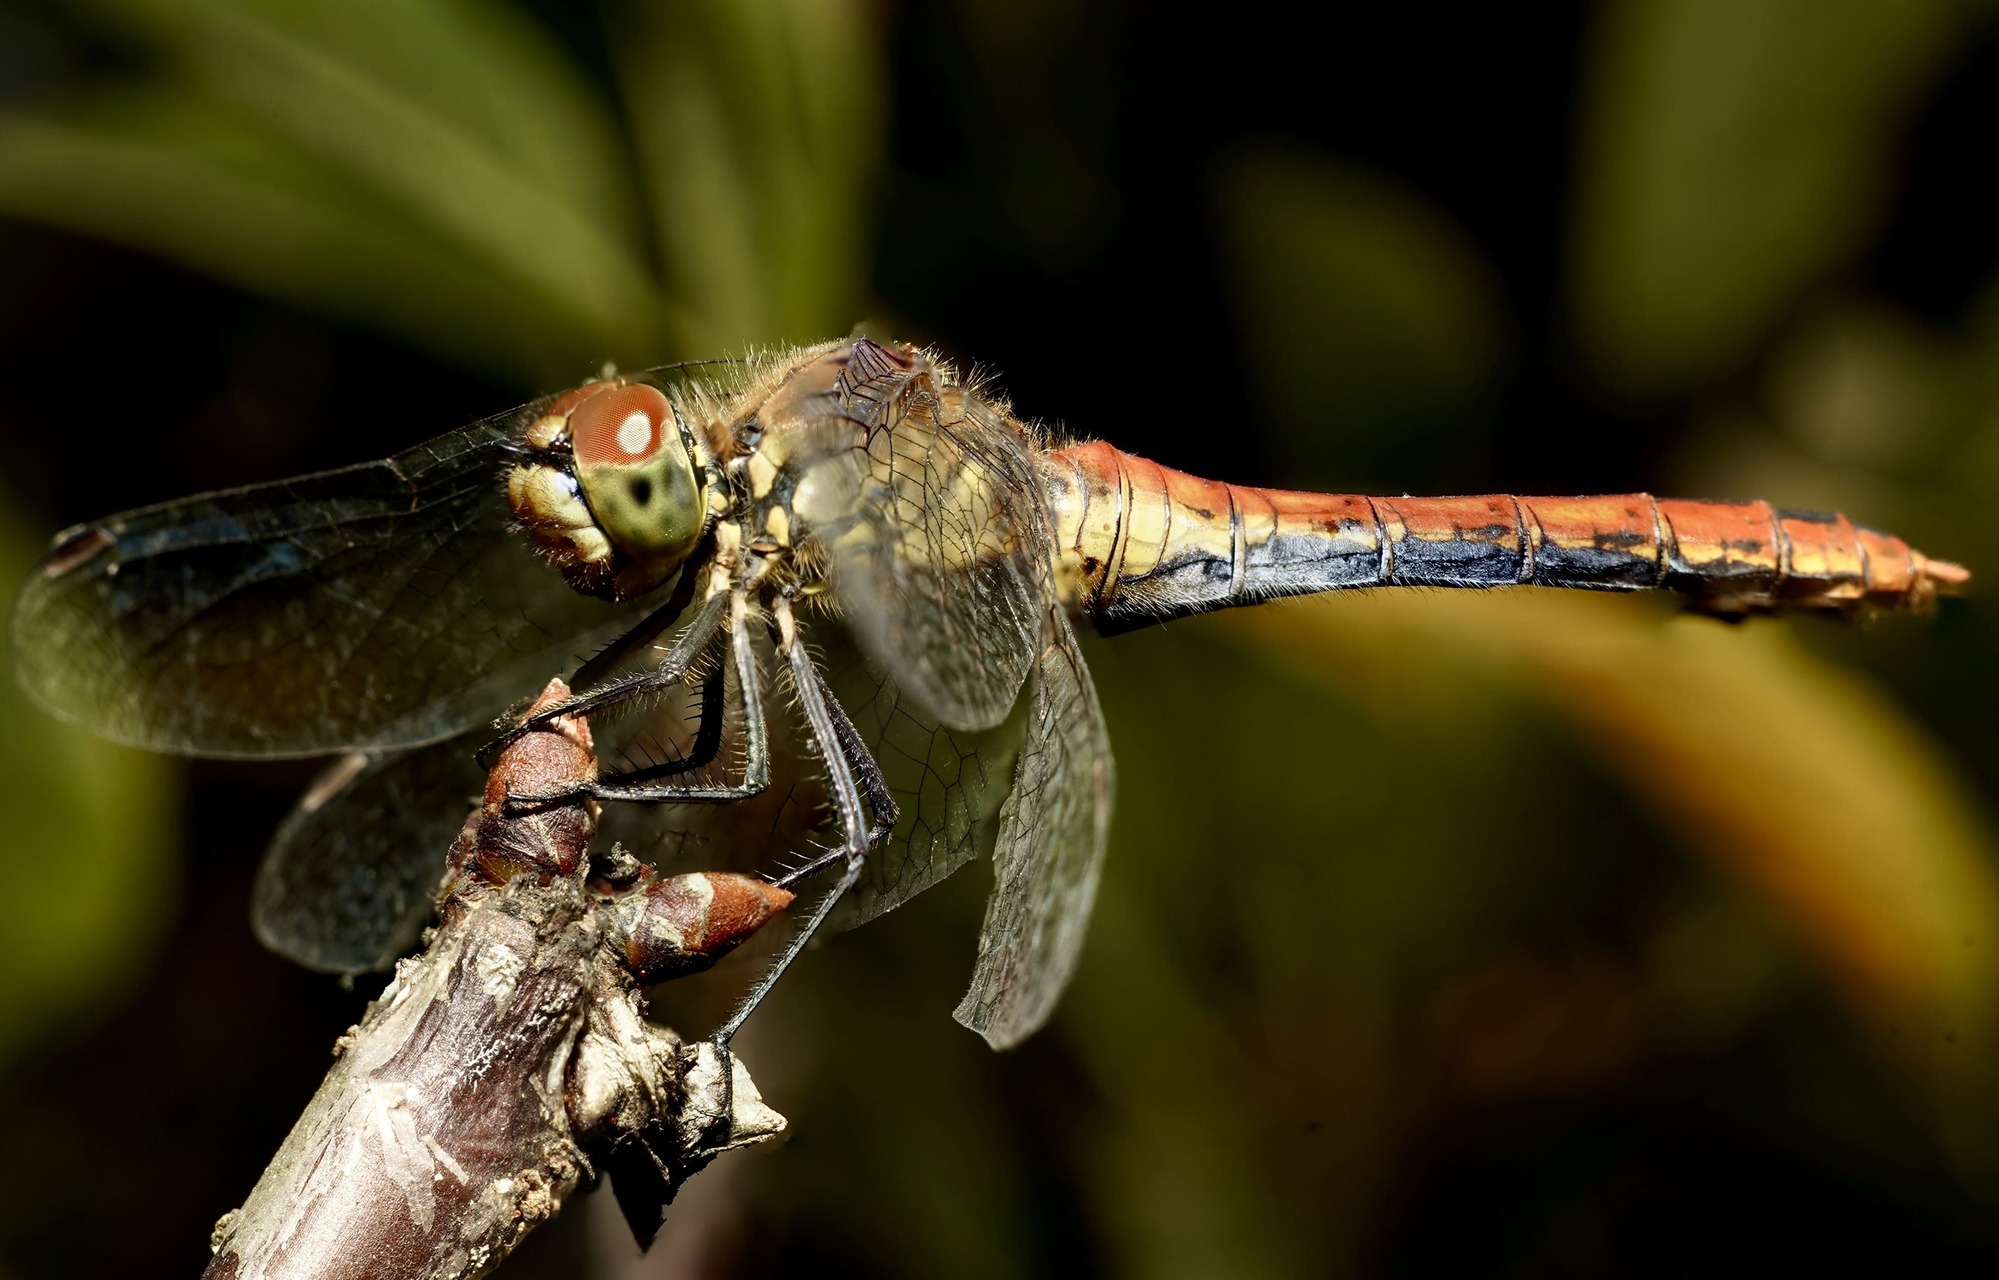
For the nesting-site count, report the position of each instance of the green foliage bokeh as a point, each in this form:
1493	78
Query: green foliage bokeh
1385	862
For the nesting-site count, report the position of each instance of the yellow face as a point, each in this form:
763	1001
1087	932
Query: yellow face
633	508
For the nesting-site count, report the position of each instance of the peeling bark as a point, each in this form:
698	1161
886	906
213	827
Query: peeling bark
511	1062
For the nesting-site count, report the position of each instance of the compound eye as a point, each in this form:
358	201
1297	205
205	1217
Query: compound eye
619	427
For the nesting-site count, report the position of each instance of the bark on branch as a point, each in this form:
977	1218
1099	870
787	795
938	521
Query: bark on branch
511	1062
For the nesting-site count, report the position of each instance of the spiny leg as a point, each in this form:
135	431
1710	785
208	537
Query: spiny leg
707	744
686	650
644	633
881	800
756	735
637	788
856	839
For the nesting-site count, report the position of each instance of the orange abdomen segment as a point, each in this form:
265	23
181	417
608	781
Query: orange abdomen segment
1144	543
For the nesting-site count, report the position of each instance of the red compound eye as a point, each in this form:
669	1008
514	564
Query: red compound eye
618	427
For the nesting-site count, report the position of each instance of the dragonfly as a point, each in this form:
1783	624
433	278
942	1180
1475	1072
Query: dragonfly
836	588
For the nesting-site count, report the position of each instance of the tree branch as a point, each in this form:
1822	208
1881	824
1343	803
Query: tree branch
511	1062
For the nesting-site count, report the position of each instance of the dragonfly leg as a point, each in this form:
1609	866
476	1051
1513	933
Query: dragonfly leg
700	753
647	630
837	752
686	650
867	772
638	787
881	800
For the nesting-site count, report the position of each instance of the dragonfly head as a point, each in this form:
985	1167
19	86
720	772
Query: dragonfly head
629	507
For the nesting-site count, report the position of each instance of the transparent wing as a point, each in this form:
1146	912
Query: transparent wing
350	880
947	784
937	538
352	875
375	606
1049	850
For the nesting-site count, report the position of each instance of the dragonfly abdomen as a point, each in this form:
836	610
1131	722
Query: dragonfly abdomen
1146	543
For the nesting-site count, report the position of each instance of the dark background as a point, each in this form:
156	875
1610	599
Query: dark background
1473	937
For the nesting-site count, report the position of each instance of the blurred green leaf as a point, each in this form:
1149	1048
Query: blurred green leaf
90	858
1822	800
1865	386
433	168
1372	325
1310	868
171	173
442	172
759	131
1180	1165
1734	153
377	84
1801	781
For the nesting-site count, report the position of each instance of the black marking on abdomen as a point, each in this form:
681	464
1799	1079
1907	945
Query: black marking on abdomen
1419	562
1610	568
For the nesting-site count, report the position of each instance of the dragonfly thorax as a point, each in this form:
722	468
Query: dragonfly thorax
621	504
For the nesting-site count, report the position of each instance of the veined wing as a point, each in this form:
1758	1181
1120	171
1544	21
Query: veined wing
948	784
1049	851
350	880
1034	791
939	543
351	877
943	573
371	607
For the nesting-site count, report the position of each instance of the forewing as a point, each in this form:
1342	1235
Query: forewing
1048	852
937	538
377	606
946	783
351	878
352	875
